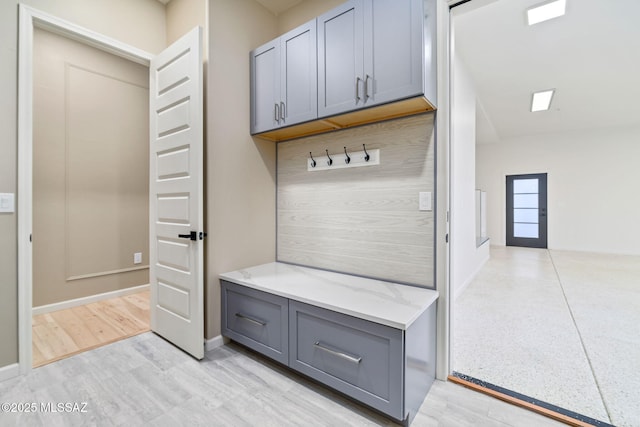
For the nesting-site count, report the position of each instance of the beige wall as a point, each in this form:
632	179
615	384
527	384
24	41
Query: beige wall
183	16
240	169
120	19
303	12
90	170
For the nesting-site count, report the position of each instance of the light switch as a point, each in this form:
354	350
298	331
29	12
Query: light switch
137	258
425	201
7	204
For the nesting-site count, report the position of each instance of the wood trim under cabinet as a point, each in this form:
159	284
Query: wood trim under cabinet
407	107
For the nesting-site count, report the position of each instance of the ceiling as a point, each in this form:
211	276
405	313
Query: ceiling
591	56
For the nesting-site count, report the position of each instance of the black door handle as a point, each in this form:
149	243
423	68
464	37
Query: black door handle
193	235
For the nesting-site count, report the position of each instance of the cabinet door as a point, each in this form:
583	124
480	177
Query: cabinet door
256	319
298	73
359	358
393	50
265	87
340	59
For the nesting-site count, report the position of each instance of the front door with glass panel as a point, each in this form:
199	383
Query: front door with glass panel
527	210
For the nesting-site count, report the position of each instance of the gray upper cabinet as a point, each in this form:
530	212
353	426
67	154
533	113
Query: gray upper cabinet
340	59
370	52
393	50
284	80
265	87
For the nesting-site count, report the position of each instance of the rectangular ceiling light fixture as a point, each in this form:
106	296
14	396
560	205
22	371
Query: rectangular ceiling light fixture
546	11
541	100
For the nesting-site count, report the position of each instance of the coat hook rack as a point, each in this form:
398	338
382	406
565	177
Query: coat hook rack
344	159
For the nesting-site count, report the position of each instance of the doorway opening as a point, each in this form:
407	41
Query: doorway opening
527	210
90	197
544	319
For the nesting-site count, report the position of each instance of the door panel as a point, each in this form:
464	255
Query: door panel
527	210
393	50
340	59
265	87
176	201
298	72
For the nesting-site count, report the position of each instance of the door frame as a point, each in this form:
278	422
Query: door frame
29	20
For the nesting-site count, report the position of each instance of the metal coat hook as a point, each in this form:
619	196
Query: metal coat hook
330	161
366	155
313	161
347	160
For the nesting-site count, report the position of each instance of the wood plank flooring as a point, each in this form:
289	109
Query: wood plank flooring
145	381
63	333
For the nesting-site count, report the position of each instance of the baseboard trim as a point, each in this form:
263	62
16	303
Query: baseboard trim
214	343
9	371
473	275
87	300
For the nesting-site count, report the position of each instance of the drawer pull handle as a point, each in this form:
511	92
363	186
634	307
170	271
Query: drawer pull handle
345	356
250	319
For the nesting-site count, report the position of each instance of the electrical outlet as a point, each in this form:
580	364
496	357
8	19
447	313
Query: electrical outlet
137	258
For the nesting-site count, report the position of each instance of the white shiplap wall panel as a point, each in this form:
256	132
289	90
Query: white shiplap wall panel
363	220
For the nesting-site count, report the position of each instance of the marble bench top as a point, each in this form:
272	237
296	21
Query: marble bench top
381	302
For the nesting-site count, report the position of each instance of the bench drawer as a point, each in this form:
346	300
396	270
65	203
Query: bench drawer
256	319
359	358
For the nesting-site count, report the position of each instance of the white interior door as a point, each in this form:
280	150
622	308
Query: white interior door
176	202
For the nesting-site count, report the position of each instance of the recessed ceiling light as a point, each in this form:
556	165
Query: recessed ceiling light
541	100
546	11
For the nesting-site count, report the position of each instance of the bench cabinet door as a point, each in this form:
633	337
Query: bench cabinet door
359	358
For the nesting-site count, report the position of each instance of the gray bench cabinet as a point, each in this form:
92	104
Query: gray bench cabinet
386	368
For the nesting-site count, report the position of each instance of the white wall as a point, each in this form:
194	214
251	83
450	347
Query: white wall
466	258
593	186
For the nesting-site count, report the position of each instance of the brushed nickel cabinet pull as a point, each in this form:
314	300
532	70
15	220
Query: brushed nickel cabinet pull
250	319
338	353
358	89
276	113
366	87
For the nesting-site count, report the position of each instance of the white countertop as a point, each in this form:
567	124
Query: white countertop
382	302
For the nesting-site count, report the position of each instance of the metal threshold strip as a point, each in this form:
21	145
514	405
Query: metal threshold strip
547	409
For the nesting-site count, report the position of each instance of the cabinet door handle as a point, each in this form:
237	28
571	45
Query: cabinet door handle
366	87
358	88
276	113
282	111
338	353
250	319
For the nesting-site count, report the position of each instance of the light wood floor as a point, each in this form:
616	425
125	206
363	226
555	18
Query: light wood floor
63	333
145	381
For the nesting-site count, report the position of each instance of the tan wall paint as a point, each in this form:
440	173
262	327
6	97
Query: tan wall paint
8	183
141	24
90	170
183	16
303	12
240	169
